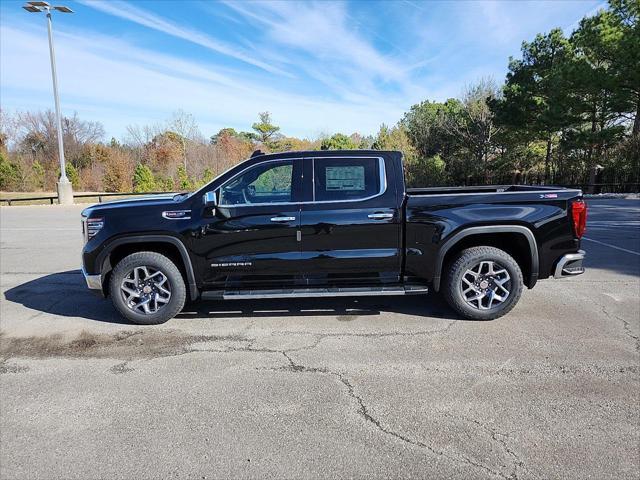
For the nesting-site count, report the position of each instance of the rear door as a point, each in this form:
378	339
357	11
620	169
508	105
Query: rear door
251	237
351	226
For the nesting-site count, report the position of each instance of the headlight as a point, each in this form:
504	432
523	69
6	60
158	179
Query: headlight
94	225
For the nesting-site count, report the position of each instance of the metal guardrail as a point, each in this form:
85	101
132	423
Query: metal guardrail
587	188
596	188
99	196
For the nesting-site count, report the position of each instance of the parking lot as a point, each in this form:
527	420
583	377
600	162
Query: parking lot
370	387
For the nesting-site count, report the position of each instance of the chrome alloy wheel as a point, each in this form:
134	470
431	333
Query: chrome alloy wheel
145	290
486	285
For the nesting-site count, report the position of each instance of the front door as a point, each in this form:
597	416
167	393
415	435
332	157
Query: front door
351	229
250	239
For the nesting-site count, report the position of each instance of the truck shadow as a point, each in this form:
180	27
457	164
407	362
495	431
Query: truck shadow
344	308
65	294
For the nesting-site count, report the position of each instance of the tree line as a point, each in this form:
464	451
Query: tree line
567	113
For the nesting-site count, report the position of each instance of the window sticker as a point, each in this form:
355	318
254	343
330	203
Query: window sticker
345	178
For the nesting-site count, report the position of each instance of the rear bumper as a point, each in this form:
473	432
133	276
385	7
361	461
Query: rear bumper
94	282
570	265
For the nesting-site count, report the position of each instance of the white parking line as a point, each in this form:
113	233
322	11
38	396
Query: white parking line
611	246
615	223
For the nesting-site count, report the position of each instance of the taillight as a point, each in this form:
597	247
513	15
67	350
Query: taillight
94	225
579	214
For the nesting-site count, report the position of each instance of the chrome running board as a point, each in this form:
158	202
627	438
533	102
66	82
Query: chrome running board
314	292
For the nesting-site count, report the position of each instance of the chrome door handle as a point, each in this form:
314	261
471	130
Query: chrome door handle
283	219
380	216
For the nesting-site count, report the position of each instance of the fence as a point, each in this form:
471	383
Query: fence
607	187
99	196
586	188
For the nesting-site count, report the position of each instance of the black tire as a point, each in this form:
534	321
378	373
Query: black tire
157	262
470	258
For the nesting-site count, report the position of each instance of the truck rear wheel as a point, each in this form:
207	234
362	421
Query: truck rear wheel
147	288
483	283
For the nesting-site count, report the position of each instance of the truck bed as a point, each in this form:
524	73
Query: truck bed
435	215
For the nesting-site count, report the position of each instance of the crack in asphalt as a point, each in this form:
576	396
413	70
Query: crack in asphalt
323	336
241	343
363	410
499	438
365	413
10	368
626	326
121	368
319	338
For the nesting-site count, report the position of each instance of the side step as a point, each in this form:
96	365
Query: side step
314	292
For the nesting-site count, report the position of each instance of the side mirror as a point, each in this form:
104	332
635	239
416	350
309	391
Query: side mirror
210	199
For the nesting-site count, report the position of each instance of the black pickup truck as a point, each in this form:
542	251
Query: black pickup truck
330	223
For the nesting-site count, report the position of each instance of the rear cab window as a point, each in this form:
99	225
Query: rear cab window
347	179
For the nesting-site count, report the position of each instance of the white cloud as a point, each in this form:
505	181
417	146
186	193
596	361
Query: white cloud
497	22
139	86
568	29
315	66
328	46
147	19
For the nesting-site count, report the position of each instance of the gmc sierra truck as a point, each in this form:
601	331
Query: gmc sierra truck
330	224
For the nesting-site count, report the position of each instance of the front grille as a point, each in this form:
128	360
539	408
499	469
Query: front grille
93	226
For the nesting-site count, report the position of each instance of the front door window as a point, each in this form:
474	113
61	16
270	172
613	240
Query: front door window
266	183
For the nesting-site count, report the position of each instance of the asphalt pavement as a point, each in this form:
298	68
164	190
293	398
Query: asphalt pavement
367	387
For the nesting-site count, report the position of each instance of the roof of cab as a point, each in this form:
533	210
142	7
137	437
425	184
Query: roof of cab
323	153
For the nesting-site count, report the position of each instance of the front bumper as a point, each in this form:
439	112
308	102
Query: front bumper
94	282
570	265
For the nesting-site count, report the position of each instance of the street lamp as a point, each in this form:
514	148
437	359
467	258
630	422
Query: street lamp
65	190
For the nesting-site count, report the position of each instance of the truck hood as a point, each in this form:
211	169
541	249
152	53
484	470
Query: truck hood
149	200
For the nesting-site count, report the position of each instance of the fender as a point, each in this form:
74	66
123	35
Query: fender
103	257
455	238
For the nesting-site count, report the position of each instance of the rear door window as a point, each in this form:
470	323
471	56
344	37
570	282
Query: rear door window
344	179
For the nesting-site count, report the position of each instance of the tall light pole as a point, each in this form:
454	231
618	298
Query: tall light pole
65	190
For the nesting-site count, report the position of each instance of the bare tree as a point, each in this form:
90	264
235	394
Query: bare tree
185	125
138	136
38	132
476	128
8	129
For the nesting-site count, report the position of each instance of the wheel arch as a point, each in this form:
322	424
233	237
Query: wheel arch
167	245
517	240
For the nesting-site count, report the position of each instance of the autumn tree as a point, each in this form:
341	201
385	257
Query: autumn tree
186	128
231	132
287	144
118	171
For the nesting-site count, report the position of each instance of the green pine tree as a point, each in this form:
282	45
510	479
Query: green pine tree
143	180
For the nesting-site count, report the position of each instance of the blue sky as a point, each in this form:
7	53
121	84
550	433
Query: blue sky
319	68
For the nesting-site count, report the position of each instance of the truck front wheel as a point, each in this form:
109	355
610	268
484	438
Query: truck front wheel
483	283
147	288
